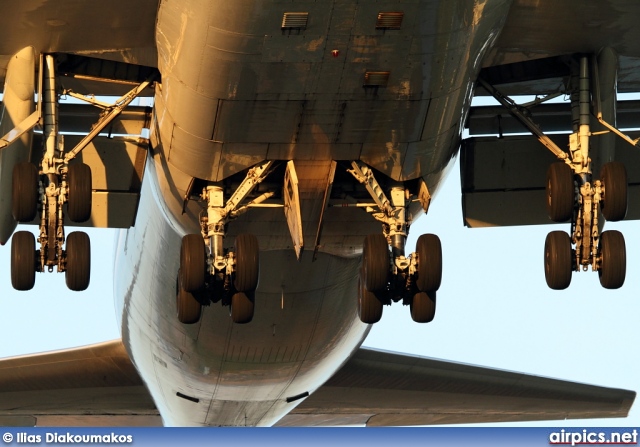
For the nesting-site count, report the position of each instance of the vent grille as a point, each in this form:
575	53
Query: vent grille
295	20
376	78
389	20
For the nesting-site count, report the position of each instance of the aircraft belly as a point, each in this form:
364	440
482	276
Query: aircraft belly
216	372
240	89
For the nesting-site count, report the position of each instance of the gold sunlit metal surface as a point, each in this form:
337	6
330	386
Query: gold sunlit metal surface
389	20
295	20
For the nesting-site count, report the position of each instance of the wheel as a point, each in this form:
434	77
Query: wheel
247	263
188	307
24	192
558	262
192	263
375	262
23	260
79	198
369	306
78	270
423	307
429	251
613	261
614	203
242	307
560	192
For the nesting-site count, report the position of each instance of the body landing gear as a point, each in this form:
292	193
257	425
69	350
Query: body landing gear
231	279
209	273
388	276
381	282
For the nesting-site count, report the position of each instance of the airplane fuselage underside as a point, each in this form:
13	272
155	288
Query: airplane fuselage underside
239	88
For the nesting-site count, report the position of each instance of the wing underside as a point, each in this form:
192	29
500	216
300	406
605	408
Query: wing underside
377	388
94	385
98	385
119	30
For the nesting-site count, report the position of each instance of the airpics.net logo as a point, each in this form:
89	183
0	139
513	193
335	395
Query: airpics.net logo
66	438
586	437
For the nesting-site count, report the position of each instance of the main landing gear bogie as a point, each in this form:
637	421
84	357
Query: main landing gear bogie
414	281
31	190
570	198
231	279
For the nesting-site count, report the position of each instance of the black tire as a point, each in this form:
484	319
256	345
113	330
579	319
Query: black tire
79	198
613	261
188	308
78	269
375	263
24	192
423	307
242	307
558	260
614	203
369	306
247	263
192	263
560	192
429	251
23	260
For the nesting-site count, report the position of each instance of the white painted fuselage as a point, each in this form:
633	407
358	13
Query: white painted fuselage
236	90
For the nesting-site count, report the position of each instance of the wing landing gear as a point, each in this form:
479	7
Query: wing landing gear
572	193
55	182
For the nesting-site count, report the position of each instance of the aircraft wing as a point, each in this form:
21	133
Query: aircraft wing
97	385
539	30
94	385
119	30
379	388
504	179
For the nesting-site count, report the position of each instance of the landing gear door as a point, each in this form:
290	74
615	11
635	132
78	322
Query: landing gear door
292	208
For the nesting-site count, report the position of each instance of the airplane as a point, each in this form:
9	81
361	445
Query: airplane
265	198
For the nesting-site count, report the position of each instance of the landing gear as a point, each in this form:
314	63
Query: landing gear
242	306
571	191
192	263
387	275
560	192
369	305
211	272
188	308
247	264
54	181
558	260
614	203
613	260
23	260
78	256
375	263
429	250
423	307
79	195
